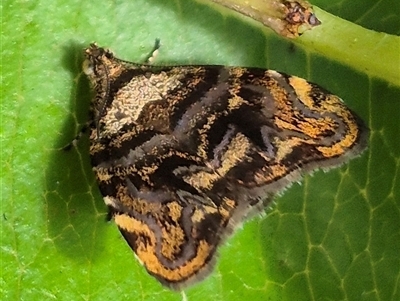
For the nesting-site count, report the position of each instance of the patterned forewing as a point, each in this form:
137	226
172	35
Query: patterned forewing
183	154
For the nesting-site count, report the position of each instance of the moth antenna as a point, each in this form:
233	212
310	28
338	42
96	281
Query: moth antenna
154	52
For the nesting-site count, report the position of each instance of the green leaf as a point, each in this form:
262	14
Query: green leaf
335	236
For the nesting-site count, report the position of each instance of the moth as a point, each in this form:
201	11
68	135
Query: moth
184	154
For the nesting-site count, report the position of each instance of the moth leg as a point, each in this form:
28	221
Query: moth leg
76	139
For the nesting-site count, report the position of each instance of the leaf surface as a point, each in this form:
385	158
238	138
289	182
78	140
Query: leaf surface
335	236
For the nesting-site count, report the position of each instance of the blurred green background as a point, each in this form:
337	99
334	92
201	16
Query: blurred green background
335	236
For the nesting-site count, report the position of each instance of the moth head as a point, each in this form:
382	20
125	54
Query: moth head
94	57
